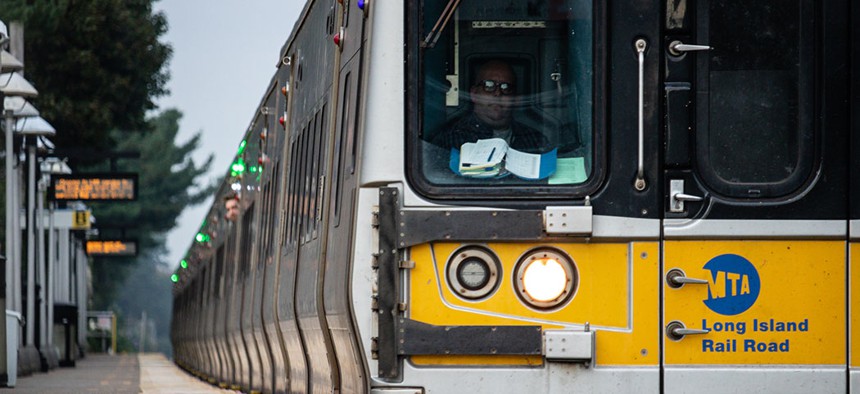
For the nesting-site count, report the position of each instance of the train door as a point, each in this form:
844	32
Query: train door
213	363
246	290
233	298
754	252
263	276
342	184
294	354
313	61
273	139
219	326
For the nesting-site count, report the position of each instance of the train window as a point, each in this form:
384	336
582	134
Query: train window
301	190
247	240
759	142
504	94
266	225
318	169
337	180
219	271
293	189
201	285
275	220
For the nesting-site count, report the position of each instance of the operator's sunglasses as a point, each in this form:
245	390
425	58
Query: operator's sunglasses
491	86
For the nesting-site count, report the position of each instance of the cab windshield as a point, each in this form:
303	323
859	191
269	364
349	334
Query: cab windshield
503	94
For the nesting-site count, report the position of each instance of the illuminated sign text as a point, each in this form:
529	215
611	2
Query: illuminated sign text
111	247
94	187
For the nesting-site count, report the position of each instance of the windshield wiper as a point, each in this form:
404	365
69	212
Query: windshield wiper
436	32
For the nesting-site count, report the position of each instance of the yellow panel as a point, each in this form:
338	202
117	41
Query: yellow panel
640	345
767	302
855	305
606	299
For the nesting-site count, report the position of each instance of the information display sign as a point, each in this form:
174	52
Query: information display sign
94	187
111	248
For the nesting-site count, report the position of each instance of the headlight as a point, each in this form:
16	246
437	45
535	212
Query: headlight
473	272
545	278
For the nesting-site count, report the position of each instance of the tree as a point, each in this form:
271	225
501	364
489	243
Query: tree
168	182
98	64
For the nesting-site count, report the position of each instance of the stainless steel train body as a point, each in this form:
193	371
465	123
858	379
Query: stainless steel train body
684	220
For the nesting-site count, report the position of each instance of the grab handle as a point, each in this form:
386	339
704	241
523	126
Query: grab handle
639	184
678	48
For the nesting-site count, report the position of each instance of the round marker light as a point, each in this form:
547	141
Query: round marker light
545	278
473	272
362	4
339	37
202	238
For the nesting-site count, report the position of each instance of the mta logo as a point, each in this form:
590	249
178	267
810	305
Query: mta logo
733	284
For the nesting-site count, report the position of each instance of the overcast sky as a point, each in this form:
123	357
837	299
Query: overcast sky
224	55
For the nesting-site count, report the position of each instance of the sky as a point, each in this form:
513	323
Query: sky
224	55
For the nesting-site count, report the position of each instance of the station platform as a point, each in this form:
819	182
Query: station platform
129	373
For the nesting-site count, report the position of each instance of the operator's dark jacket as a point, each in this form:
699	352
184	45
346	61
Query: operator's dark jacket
470	129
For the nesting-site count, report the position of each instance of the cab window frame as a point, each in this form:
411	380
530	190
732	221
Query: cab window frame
807	132
414	132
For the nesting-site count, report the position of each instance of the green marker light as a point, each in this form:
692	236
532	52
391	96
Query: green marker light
238	167
202	237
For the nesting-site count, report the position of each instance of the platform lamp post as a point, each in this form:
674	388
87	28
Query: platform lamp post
11	85
32	128
15	85
15	107
52	166
49	357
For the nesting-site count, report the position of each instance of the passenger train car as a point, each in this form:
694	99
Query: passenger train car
548	196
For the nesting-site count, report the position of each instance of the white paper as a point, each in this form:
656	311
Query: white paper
483	152
490	157
525	165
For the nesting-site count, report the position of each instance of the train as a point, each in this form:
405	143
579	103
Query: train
549	196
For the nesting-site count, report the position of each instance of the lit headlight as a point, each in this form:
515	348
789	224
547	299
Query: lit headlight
473	272
545	278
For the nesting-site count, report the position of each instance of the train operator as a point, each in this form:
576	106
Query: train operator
492	97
